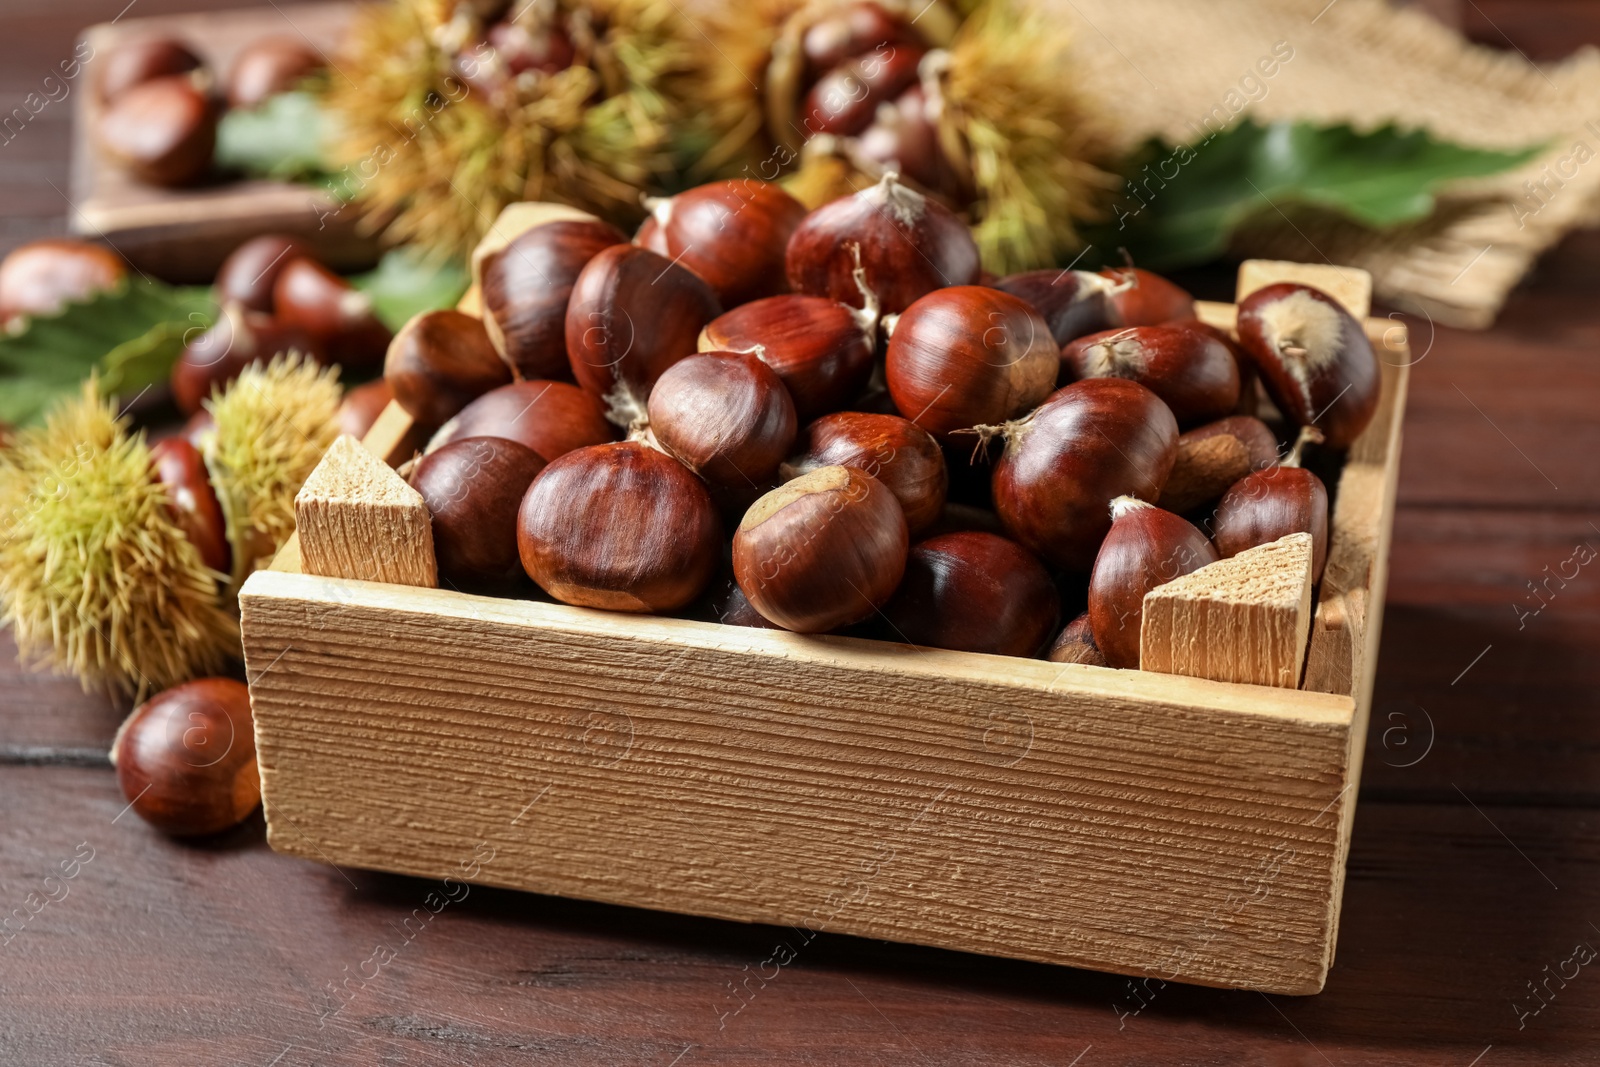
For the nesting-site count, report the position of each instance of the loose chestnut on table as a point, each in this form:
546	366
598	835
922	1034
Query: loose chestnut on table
974	592
250	272
339	317
895	451
179	467
474	489
822	551
1190	370
1145	548
186	758
620	526
43	277
727	417
552	418
1064	463
440	362
733	234
822	349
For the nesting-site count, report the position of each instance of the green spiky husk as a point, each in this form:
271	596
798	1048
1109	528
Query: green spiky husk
96	579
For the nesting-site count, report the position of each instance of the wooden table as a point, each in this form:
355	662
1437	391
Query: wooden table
1474	875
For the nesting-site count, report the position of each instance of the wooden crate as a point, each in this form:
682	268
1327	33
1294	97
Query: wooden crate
1118	820
183	235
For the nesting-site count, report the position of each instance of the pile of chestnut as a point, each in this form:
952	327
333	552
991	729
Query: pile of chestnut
901	446
160	105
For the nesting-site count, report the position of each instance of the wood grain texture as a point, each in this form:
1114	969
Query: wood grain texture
1244	619
356	518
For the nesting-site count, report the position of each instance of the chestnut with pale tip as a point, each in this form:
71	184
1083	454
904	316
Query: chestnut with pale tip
895	451
249	273
1075	644
1314	357
186	758
1214	456
474	489
338	316
1074	303
908	246
969	356
632	315
1140	298
1275	502
43	277
526	287
733	234
1145	548
974	592
1064	463
620	526
236	340
822	349
552	418
822	551
181	470
440	362
1191	371
727	417
162	131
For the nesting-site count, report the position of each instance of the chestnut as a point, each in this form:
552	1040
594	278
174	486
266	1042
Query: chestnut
268	66
186	758
162	131
547	49
969	356
526	286
552	418
474	488
1064	463
621	526
822	551
904	137
178	466
727	417
732	608
822	349
848	31
362	405
895	451
908	245
974	592
1140	298
1145	548
1192	371
1075	644
42	277
197	426
1314	358
632	315
338	316
1275	502
249	273
237	339
138	61
1214	456
1074	303
733	234
439	362
844	100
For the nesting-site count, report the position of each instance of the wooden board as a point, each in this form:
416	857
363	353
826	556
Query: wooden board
183	235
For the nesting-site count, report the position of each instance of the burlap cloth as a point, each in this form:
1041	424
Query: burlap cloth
1159	67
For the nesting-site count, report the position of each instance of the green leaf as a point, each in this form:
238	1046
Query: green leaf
1181	206
282	138
132	335
406	284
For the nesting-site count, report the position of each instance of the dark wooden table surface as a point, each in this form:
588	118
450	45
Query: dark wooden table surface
1474	877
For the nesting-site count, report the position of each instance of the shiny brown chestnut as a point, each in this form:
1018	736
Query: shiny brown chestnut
338	316
732	608
904	137
162	131
145	59
440	362
1193	372
238	338
733	234
822	551
179	467
848	31
362	405
1075	644
845	99
895	451
1073	302
268	66
186	758
42	277
1140	298
1145	548
552	418
727	417
969	356
822	349
632	315
1275	502
474	489
526	286
974	592
1214	456
1064	463
1314	357
906	244
249	273
620	526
